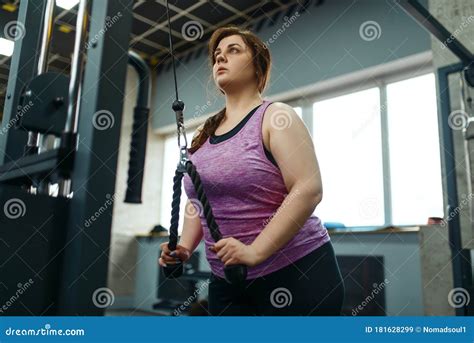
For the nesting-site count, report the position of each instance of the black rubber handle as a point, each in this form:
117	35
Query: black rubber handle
173	271
235	274
136	164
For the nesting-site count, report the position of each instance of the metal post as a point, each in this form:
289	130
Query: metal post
75	84
461	258
86	254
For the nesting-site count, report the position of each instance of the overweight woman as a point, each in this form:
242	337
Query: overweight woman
260	173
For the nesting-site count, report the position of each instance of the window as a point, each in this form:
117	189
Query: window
170	160
354	160
298	111
415	165
346	133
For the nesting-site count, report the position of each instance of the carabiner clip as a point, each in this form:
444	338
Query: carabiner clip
182	131
183	159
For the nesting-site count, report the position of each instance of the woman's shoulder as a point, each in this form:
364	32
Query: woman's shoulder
279	116
278	105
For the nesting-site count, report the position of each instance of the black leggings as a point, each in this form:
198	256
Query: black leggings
311	286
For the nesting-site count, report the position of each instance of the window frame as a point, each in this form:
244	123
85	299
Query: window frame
381	82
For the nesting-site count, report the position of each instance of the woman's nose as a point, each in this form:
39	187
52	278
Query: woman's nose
220	58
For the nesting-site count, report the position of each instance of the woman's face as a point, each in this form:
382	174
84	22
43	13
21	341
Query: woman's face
233	66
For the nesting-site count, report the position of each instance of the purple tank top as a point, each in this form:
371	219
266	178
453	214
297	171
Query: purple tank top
245	191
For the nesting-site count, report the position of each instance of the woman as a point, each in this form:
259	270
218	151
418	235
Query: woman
259	170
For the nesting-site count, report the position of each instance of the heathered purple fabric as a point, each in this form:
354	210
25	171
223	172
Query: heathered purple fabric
245	191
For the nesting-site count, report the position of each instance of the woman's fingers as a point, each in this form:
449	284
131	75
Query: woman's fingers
181	254
168	259
164	247
226	257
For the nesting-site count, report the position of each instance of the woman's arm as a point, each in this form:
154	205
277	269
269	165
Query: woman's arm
192	229
293	149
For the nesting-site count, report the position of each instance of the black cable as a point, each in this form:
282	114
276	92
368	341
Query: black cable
172	50
173	241
235	273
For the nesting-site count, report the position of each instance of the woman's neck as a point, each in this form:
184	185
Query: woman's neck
239	104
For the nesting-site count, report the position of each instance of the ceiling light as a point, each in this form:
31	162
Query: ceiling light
66	4
6	47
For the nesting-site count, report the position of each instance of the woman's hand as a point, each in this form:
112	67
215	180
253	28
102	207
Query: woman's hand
233	251
172	257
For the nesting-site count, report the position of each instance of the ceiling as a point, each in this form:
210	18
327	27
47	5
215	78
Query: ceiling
192	23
